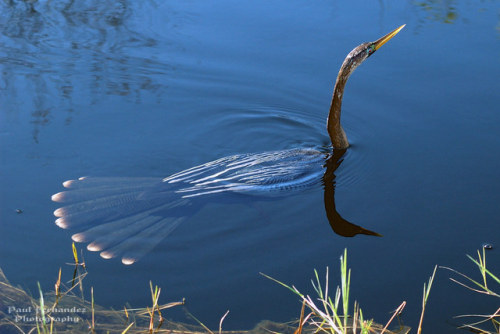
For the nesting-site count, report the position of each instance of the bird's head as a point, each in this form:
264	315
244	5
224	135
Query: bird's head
365	50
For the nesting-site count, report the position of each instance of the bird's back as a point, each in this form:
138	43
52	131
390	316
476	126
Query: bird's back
262	174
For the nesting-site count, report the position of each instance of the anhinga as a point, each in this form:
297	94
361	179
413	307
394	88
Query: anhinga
127	217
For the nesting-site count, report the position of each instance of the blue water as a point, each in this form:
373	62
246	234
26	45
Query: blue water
118	88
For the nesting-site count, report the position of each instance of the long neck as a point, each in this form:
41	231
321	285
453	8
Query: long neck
337	134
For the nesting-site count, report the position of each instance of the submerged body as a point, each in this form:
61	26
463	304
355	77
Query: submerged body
117	215
126	217
263	174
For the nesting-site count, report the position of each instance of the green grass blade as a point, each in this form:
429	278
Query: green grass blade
293	289
482	267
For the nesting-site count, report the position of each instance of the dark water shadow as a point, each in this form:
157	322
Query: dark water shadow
338	224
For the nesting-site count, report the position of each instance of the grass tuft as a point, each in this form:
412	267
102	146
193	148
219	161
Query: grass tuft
486	323
325	313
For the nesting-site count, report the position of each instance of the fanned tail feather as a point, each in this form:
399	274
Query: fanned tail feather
119	217
133	248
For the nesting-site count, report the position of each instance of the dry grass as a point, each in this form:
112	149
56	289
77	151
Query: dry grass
88	317
65	310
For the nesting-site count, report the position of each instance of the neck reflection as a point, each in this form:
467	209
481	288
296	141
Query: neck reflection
338	224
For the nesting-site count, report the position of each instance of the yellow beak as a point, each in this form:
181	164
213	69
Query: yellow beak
381	41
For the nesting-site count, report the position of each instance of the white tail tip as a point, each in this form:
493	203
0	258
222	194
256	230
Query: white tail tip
67	184
128	261
78	237
106	255
58	197
93	247
59	212
61	223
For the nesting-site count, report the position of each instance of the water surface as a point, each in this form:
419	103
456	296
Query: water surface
116	88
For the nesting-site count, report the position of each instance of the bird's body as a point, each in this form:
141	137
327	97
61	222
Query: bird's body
118	214
260	174
126	217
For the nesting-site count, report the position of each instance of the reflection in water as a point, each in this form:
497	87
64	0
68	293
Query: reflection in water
127	217
449	11
440	11
54	55
339	225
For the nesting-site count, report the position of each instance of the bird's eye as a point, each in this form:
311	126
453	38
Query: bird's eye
371	50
